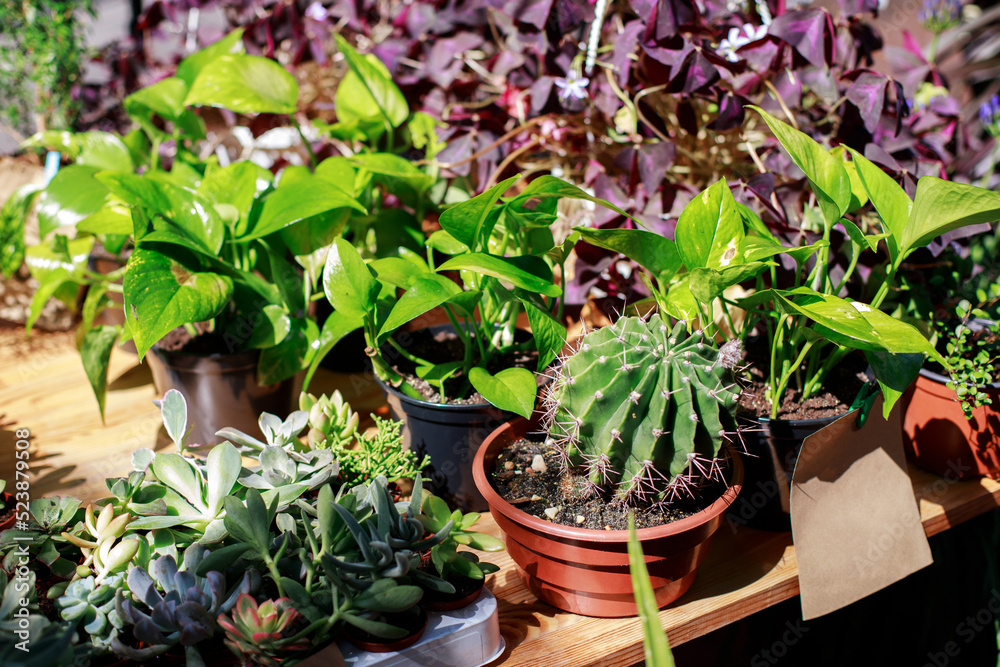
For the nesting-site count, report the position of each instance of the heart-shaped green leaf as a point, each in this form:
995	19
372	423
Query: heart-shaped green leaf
303	199
512	389
710	230
825	172
348	282
95	352
467	221
245	84
653	252
426	293
190	67
890	200
184	210
941	206
505	269
548	332
376	80
164	290
72	195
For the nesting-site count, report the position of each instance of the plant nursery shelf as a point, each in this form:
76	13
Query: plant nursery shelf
43	389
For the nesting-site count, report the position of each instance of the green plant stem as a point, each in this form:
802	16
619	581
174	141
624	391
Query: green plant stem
312	155
786	376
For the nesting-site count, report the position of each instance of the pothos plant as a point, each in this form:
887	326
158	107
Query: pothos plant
808	325
507	259
225	246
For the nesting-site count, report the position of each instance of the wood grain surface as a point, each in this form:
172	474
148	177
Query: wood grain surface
43	389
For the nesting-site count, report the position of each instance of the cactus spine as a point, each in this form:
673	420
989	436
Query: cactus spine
643	409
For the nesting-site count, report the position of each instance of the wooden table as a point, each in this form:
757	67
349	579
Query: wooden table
43	389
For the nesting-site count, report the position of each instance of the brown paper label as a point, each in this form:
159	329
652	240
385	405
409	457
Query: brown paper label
855	522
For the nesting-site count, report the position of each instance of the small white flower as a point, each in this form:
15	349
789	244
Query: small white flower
740	37
317	12
573	86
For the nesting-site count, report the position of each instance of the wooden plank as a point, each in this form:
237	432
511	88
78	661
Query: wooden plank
43	388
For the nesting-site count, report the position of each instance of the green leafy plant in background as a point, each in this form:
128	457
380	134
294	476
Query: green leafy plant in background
44	50
973	353
654	639
225	246
507	258
809	327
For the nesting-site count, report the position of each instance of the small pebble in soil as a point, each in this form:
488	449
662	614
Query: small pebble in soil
528	474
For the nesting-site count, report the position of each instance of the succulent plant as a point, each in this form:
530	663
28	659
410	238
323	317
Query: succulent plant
263	634
184	613
288	475
277	433
388	542
643	409
435	516
332	422
105	550
91	604
48	519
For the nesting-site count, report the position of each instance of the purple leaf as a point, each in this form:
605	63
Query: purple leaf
809	31
671	15
868	94
643	8
654	160
692	72
541	90
625	44
731	112
876	154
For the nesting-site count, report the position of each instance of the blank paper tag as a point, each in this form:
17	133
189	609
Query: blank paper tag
855	522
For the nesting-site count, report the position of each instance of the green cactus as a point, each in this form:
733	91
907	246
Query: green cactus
643	410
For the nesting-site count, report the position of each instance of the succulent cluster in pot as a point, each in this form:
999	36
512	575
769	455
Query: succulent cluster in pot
259	547
642	410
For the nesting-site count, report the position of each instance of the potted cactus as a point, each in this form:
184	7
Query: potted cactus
637	416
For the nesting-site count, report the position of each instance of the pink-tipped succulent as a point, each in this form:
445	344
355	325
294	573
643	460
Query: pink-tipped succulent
262	634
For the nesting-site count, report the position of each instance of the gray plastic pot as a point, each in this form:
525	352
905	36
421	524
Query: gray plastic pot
221	390
451	436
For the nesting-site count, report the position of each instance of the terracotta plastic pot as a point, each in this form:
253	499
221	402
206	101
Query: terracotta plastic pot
939	438
9	505
221	390
586	571
772	449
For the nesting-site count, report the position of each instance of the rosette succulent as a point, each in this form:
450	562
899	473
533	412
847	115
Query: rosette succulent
105	551
332	422
171	605
91	604
643	409
263	634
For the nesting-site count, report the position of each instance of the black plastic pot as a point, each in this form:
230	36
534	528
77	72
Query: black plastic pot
772	449
221	390
450	435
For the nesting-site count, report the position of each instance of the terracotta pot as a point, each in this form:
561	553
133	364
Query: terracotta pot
586	571
939	438
385	645
9	505
221	390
